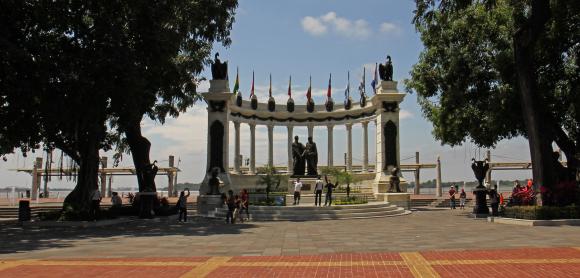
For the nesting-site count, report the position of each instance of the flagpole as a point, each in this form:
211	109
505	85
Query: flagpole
270	91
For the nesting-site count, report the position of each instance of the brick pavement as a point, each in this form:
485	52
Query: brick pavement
525	262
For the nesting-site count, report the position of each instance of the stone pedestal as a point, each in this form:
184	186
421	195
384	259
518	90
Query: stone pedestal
206	204
399	199
308	183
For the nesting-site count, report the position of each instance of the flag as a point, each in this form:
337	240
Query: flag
237	84
361	86
290	87
309	92
270	90
252	92
375	81
347	90
329	93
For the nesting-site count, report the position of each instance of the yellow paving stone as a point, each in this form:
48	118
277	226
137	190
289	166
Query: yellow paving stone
206	268
505	261
418	266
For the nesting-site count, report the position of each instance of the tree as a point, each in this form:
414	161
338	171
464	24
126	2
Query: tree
493	70
161	49
52	91
70	67
270	180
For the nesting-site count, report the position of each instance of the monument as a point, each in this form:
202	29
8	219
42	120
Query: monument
298	160
218	100
480	169
311	156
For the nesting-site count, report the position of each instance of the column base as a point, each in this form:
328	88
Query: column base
399	199
207	204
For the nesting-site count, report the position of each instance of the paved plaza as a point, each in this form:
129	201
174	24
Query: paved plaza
424	244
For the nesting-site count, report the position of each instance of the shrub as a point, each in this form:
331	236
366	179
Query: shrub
541	212
352	200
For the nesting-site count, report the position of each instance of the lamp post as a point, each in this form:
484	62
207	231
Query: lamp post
480	169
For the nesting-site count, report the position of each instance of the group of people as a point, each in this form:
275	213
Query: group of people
494	198
522	195
452	198
237	205
319	187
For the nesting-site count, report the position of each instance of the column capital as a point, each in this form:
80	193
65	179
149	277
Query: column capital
236	124
330	126
365	123
348	125
252	125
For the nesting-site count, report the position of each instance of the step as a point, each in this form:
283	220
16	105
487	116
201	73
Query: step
398	212
322	211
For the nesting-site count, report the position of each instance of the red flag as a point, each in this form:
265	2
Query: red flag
329	93
309	92
252	93
290	87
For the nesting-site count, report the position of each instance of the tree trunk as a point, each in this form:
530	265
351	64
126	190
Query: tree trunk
140	148
538	134
79	200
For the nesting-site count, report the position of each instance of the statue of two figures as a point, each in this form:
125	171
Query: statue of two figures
304	155
395	181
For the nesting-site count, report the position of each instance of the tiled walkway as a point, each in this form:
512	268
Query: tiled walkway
529	262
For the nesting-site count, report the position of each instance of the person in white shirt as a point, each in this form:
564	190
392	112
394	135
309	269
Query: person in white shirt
95	204
318	192
297	188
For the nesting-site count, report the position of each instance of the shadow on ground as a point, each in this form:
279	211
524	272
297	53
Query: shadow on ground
16	238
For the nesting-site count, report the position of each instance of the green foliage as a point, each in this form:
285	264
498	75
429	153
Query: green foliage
541	212
465	78
340	176
270	180
352	200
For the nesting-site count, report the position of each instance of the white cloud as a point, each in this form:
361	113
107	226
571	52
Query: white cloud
354	29
313	26
405	114
389	28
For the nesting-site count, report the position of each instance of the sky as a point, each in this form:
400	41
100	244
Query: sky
302	39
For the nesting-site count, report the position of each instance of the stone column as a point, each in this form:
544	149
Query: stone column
36	174
348	147
330	127
365	166
104	177
290	159
237	161
310	130
271	145
170	176
417	175
438	191
252	148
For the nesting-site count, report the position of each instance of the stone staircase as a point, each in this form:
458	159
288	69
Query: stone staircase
422	202
312	213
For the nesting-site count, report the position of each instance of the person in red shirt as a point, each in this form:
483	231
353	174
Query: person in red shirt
245	204
452	196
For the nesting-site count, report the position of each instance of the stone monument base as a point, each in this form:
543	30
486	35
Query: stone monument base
308	183
383	184
399	199
206	205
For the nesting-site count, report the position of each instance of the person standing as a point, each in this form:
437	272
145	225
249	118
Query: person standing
494	200
297	188
462	198
245	196
452	193
182	205
329	188
95	204
318	192
231	203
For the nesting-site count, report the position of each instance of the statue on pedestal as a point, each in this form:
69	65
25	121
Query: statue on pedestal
219	70
297	156
395	181
311	156
386	70
214	183
480	169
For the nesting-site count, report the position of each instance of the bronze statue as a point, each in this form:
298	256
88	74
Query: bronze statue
311	155
298	158
219	70
214	183
386	70
395	181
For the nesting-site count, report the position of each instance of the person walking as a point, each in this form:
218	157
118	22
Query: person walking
297	188
318	192
494	200
245	204
95	204
452	193
462	198
182	205
231	203
329	188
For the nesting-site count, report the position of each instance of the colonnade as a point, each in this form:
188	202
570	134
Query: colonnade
290	132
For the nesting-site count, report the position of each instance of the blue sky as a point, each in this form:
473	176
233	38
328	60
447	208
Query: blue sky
309	38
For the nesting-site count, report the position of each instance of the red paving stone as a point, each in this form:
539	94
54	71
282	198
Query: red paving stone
497	254
527	262
94	271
